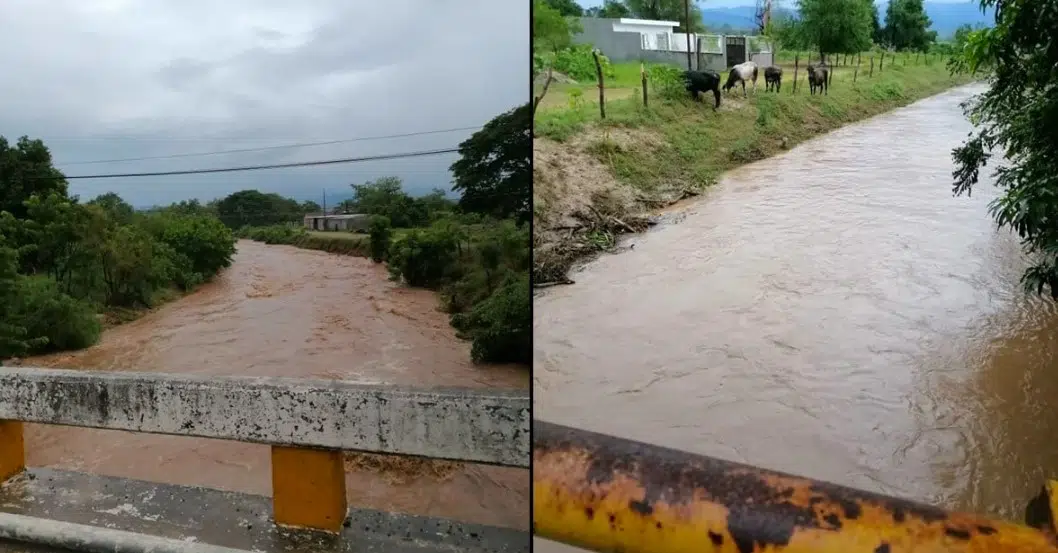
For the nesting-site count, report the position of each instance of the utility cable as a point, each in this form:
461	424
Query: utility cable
272	166
268	148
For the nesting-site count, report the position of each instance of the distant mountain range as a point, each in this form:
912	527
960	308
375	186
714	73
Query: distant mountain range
946	17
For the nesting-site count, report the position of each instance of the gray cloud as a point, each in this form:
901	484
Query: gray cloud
131	78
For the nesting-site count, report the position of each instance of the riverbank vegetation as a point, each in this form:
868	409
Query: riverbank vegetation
595	178
473	251
1015	119
68	268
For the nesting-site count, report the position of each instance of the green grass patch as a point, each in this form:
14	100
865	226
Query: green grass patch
703	142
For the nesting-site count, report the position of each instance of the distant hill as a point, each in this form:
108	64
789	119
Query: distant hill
946	17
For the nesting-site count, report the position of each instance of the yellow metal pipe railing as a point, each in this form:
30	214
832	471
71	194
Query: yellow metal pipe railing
608	494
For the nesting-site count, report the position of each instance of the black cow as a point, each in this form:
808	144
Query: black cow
818	78
703	81
772	78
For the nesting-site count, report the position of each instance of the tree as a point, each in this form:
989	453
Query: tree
423	258
667	10
437	203
877	32
789	33
381	235
836	26
344	206
200	246
26	170
760	16
60	238
1014	118
133	266
907	26
610	9
115	207
385	196
60	260
961	36
258	209
376	196
188	207
494	170
552	32
567	8
12	334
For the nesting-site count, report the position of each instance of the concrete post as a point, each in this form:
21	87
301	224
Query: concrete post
308	488
12	449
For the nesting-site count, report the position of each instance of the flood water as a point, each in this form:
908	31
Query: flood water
283	311
832	312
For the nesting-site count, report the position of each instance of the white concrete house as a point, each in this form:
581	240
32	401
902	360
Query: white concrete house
653	35
352	222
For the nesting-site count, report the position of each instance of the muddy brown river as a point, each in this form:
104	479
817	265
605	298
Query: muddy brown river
283	311
832	312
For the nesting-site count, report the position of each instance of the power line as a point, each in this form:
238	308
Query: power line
261	167
267	148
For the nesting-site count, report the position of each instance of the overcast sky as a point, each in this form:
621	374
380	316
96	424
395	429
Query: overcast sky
106	79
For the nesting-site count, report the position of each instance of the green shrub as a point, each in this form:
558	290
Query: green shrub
424	257
667	81
578	63
134	265
52	320
276	234
500	328
381	233
200	247
13	334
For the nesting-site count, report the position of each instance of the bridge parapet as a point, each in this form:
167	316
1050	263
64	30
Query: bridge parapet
307	423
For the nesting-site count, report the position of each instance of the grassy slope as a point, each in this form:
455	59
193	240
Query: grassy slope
594	179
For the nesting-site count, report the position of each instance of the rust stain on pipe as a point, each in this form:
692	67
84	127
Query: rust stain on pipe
613	495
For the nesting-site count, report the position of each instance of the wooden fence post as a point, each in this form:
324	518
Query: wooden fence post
871	74
643	74
698	47
796	62
598	74
856	71
917	54
881	62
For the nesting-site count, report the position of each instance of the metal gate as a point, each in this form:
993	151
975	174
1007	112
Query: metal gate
735	50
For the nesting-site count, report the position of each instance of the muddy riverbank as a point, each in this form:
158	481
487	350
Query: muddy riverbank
284	311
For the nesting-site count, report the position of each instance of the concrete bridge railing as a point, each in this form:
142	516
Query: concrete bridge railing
307	423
